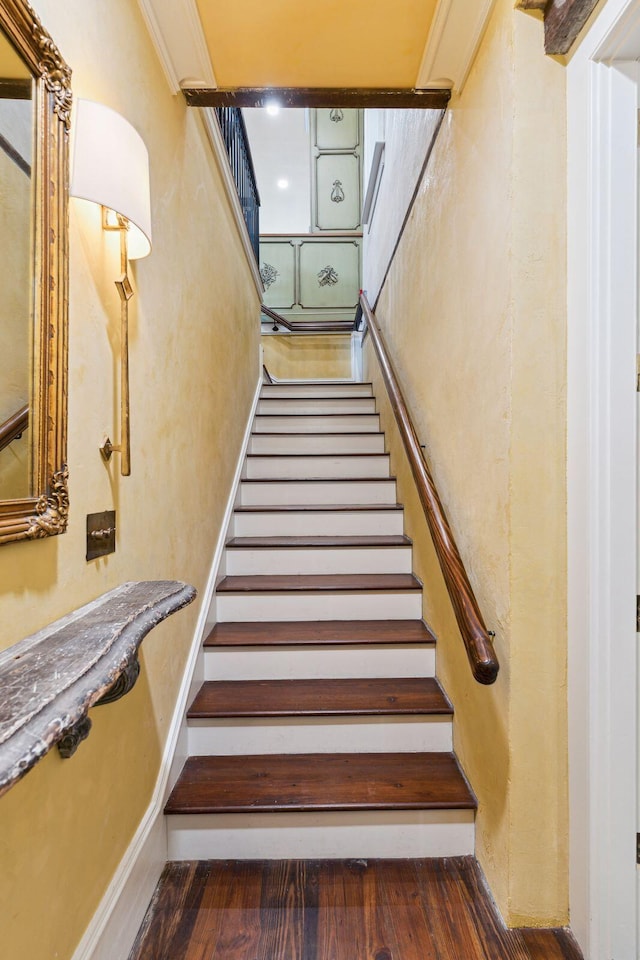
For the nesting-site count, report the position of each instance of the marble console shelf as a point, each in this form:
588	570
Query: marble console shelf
50	680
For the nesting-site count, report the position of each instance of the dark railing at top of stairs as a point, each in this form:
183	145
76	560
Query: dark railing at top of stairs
236	141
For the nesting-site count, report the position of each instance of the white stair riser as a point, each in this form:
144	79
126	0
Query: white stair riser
242	737
317	390
253	607
311	443
311	836
246	562
297	466
309	662
346	423
318	406
359	523
321	491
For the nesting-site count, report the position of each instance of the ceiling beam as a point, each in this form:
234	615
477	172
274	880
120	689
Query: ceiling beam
433	99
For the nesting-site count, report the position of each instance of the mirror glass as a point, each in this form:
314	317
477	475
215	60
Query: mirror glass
35	116
16	272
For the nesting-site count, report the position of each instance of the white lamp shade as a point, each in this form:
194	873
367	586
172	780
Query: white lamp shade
111	167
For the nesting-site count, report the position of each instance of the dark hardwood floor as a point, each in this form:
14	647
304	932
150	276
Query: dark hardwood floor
334	910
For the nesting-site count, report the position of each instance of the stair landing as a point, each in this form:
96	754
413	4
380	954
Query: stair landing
343	910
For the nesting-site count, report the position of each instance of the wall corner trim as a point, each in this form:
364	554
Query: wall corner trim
453	41
113	928
177	35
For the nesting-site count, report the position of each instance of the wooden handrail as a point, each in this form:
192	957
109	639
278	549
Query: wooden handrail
14	427
307	326
477	639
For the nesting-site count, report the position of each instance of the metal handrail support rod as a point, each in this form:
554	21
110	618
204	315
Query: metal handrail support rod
307	326
477	639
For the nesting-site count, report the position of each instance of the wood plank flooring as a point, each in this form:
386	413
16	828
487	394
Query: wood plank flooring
334	910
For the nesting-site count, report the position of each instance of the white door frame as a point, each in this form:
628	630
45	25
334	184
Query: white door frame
602	99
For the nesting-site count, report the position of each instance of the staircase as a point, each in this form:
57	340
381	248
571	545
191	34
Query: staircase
320	730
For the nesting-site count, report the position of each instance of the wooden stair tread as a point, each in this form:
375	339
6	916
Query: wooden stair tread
310	456
294	398
320	479
310	433
314	507
385	540
318	633
319	416
286	583
318	383
317	698
320	781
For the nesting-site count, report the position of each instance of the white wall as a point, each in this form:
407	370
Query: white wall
280	150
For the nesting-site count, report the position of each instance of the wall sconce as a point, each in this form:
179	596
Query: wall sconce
111	167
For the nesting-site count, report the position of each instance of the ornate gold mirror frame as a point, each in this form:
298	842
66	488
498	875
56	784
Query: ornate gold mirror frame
45	512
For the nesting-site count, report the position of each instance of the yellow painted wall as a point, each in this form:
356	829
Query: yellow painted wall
194	369
308	357
474	315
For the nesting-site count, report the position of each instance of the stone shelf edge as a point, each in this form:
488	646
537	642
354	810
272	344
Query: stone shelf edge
50	680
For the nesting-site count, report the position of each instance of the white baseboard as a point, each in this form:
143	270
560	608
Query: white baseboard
113	927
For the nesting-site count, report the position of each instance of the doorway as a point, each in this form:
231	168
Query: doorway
602	80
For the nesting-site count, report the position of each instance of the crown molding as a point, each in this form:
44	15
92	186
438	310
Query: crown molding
177	35
452	43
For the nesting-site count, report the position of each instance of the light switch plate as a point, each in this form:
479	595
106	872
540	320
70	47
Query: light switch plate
101	534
